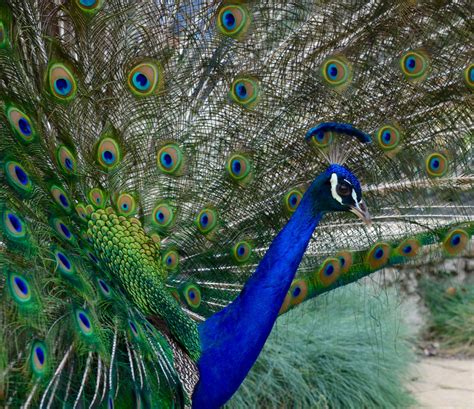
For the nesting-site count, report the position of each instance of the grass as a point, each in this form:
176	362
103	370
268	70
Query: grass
346	349
451	315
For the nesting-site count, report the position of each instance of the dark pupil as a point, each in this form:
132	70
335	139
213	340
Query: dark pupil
61	84
40	355
104	286
342	260
15	222
296	292
167	159
24	126
229	20
204	219
161	216
21	285
386	136
436	163
108	155
241	90
379	253
237	166
64	260
21	175
293	200
169	260
411	63
407	249
84	320
68	163
65	230
344	190
192	295
329	270
63	200
241	250
134	328
456	240
142	80
333	71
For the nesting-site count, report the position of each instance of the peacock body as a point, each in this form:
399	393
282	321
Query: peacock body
164	166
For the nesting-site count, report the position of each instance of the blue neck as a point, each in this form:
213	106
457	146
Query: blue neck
232	339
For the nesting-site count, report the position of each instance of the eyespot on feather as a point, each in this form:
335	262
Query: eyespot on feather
63	263
388	137
192	295
206	221
336	72
97	198
345	260
409	247
241	251
233	20
109	154
245	91
62	83
436	164
39	358
62	229
170	260
13	226
292	200
66	160
455	241
163	215
414	65
329	272
170	159
145	79
238	167
82	212
298	291
89	6
104	288
83	322
19	288
126	205
61	198
21	124
378	255
18	177
469	76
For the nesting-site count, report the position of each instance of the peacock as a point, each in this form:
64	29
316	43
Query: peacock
176	175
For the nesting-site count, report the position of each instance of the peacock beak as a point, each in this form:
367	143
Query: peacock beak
361	211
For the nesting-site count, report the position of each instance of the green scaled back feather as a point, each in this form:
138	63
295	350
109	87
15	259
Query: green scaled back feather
153	138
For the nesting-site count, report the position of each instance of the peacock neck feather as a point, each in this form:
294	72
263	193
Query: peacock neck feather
232	339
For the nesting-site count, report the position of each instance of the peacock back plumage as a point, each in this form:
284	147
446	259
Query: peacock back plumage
151	152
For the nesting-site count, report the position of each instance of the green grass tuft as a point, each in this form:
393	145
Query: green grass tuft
346	349
451	318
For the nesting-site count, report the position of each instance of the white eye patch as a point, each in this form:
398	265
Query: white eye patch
334	194
354	196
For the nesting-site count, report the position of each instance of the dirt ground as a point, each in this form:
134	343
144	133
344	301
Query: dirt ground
439	383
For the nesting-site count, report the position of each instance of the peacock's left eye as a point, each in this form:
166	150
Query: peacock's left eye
343	189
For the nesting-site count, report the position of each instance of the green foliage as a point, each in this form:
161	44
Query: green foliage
347	349
451	318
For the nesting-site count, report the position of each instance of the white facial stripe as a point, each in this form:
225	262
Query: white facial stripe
348	182
354	197
333	188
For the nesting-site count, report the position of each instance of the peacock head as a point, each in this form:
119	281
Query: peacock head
340	191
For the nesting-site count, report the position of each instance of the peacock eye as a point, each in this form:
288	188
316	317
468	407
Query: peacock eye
343	189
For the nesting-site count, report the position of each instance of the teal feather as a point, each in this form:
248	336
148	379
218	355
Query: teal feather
169	139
